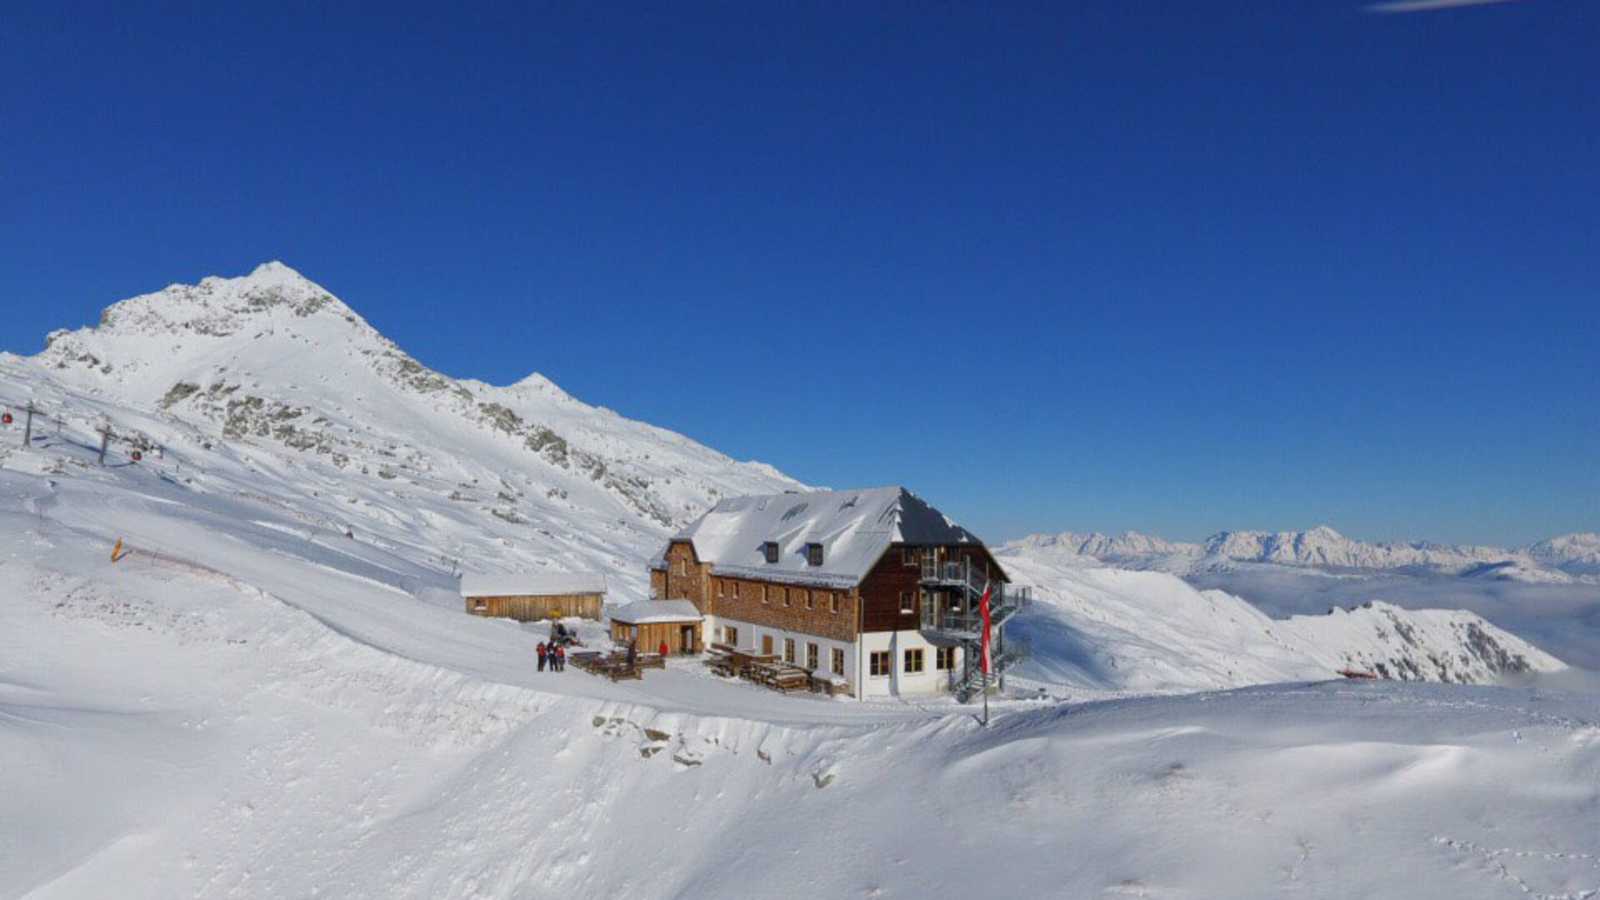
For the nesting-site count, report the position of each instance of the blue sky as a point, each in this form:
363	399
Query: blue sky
1169	266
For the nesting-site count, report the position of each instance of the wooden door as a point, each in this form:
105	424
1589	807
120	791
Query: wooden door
766	644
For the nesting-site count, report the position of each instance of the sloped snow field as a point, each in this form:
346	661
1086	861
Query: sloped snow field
229	716
276	693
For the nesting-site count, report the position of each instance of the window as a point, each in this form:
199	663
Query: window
908	556
783	595
770	550
914	660
881	662
730	635
833	601
945	659
736	590
788	650
907	605
721	588
813	554
683	566
806	596
811	657
763	589
838	661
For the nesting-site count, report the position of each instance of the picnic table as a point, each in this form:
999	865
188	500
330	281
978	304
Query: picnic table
615	665
767	669
781	676
726	660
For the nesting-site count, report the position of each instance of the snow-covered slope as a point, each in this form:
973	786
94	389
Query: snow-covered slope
1548	593
275	692
270	387
267	407
1116	629
296	730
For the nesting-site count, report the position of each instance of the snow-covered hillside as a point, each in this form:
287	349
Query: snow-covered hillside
275	691
268	387
1551	561
1117	629
278	721
1548	593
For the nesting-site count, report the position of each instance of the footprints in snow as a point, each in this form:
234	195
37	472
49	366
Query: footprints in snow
689	752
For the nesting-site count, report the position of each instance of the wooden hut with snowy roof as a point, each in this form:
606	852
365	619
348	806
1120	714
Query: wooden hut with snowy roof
530	596
677	624
871	588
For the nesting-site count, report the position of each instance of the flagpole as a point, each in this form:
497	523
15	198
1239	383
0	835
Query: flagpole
983	680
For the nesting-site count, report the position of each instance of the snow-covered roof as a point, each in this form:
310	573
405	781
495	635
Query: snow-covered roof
537	584
645	612
853	527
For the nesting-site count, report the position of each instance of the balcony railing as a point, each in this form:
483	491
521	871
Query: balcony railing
961	615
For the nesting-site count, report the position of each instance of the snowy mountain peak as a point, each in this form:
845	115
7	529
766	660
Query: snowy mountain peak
1578	552
273	360
273	305
1096	545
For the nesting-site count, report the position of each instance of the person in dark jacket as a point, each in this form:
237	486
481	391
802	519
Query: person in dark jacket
542	653
633	653
561	658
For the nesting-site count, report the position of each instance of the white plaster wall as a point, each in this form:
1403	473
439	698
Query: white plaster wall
931	680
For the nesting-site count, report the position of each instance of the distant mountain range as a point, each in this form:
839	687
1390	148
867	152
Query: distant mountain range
1560	559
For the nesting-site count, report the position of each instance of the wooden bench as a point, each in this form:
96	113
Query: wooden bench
833	687
585	660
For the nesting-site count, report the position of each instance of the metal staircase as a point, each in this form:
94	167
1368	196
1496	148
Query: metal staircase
957	589
953	592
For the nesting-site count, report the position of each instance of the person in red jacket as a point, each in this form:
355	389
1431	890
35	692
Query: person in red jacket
561	658
664	650
542	653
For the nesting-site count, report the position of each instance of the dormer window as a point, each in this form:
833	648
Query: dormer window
770	550
813	554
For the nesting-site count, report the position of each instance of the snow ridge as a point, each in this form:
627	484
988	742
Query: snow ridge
1553	561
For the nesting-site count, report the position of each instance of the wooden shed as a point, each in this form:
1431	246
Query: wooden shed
535	595
676	623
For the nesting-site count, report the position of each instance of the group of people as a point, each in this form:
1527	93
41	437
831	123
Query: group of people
554	655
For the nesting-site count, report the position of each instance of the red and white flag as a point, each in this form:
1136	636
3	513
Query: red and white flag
983	610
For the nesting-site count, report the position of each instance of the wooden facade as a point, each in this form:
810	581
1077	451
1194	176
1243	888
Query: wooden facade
878	603
533	607
898	575
823	611
680	637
